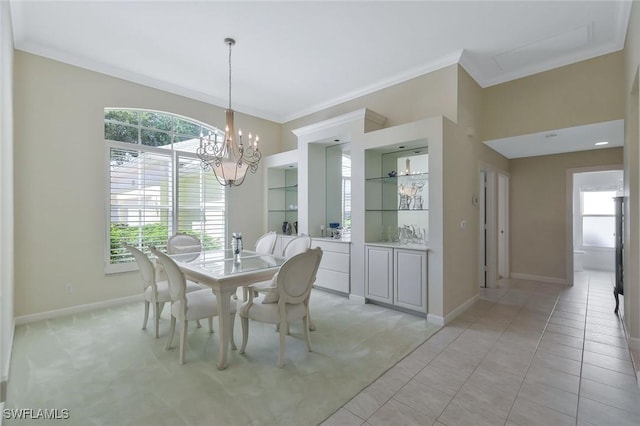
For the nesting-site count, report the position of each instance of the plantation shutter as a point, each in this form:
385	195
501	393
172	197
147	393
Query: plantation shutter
140	201
201	204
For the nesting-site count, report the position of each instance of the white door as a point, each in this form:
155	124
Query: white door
503	226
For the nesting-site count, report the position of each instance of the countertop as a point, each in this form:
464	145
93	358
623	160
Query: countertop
408	246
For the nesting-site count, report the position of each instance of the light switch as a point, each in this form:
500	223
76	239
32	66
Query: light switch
463	224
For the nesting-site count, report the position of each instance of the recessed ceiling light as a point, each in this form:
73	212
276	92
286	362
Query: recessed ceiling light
602	143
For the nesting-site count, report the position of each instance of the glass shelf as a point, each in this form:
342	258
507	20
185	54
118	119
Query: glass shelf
417	177
292	188
397	210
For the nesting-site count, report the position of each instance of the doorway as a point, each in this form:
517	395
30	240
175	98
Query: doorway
493	203
593	219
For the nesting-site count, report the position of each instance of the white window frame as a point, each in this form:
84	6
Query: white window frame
174	155
582	215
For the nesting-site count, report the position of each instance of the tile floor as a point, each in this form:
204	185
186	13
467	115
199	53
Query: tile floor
526	353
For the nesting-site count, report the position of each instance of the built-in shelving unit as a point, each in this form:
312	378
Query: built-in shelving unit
282	191
396	203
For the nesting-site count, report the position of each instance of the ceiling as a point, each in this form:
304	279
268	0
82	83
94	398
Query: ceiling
293	58
579	138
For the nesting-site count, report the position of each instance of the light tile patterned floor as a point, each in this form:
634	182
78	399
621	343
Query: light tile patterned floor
527	353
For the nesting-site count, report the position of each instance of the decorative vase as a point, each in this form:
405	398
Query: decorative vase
286	228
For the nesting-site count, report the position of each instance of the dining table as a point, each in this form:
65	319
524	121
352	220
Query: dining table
224	271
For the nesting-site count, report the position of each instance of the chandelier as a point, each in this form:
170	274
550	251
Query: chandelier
227	156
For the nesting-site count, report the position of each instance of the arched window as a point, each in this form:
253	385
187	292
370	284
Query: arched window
156	186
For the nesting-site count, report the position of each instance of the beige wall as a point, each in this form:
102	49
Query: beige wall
632	179
464	155
582	93
538	203
60	180
429	95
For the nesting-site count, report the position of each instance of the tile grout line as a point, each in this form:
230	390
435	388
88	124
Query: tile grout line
524	377
475	368
584	338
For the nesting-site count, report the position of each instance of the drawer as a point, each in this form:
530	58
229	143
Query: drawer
332	280
331	246
333	261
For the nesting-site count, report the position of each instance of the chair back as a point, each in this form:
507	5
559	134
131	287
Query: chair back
177	281
183	243
297	275
266	243
297	245
147	269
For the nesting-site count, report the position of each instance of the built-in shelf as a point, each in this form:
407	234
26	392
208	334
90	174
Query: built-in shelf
290	188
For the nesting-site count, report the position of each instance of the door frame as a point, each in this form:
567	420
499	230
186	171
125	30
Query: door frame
569	212
503	225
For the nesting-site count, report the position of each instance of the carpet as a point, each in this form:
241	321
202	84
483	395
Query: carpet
105	370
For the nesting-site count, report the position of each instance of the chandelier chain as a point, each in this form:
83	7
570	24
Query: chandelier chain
230	44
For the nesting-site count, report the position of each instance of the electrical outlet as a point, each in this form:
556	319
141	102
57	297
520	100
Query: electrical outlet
68	289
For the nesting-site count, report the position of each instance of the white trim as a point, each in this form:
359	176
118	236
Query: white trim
435	319
357	299
9	351
543	279
26	319
340	120
460	309
435	65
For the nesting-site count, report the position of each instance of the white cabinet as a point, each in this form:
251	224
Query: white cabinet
333	272
379	273
396	276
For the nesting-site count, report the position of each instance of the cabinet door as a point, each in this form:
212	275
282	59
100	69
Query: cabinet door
379	273
410	279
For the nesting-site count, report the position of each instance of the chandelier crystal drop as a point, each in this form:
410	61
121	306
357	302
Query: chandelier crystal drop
226	154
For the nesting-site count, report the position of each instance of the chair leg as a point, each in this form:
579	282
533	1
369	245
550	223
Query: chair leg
233	341
198	324
161	304
245	333
282	344
156	317
171	332
183	340
146	315
211	325
307	331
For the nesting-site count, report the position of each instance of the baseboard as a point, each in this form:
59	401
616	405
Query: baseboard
551	280
435	319
360	300
25	319
4	377
634	350
460	309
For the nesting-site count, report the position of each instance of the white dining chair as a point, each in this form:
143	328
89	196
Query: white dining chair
191	306
293	282
295	246
266	243
156	292
184	244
